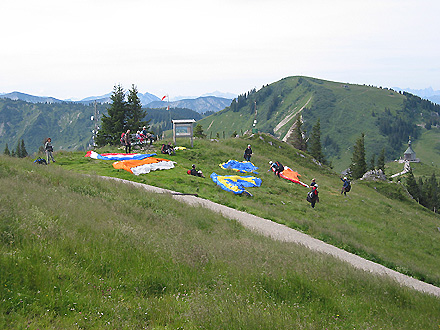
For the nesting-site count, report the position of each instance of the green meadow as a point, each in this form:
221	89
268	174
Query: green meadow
79	252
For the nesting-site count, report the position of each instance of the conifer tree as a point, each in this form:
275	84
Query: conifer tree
198	131
18	150
6	151
113	124
372	162
135	114
412	186
358	163
315	147
23	151
297	139
381	161
432	193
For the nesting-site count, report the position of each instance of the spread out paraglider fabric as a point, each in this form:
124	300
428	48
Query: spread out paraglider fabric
143	166
291	175
235	183
241	167
116	156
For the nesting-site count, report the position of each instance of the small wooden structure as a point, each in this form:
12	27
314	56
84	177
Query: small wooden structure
183	128
409	155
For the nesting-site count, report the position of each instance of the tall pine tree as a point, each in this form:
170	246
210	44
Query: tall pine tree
412	186
315	147
115	123
297	139
23	151
135	114
358	164
18	150
432	197
381	161
6	151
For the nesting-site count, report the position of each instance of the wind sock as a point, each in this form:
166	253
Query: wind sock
241	167
116	156
143	166
236	183
291	175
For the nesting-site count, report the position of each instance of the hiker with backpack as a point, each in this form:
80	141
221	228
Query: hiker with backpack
312	195
49	150
346	186
276	167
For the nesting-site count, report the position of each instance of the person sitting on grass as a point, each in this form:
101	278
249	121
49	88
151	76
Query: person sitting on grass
195	172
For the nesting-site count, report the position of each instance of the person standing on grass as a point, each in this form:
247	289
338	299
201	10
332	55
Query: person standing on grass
345	186
314	195
127	140
49	150
248	153
313	182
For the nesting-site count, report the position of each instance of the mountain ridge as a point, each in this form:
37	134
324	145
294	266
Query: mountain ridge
387	117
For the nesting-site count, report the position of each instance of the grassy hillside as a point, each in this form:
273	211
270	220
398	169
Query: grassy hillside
345	111
376	220
427	148
78	252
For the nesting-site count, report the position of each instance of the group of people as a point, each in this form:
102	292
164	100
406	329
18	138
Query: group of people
142	136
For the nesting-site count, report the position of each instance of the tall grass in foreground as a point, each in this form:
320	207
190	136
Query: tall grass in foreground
83	253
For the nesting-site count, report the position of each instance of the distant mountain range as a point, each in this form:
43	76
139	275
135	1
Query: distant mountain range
201	104
427	93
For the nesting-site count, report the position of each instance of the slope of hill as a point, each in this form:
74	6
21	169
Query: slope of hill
89	253
29	98
68	124
200	104
345	111
376	221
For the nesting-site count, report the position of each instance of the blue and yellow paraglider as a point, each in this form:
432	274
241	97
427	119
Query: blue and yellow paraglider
235	183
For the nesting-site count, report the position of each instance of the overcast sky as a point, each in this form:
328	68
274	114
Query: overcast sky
79	48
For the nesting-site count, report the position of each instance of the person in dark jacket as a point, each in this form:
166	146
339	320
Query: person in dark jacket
314	192
345	186
195	172
127	140
49	150
248	153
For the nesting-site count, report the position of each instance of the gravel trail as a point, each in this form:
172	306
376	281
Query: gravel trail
283	233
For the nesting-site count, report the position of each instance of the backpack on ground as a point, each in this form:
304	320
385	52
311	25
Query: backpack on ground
279	166
40	161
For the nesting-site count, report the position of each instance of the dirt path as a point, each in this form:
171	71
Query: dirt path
283	233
